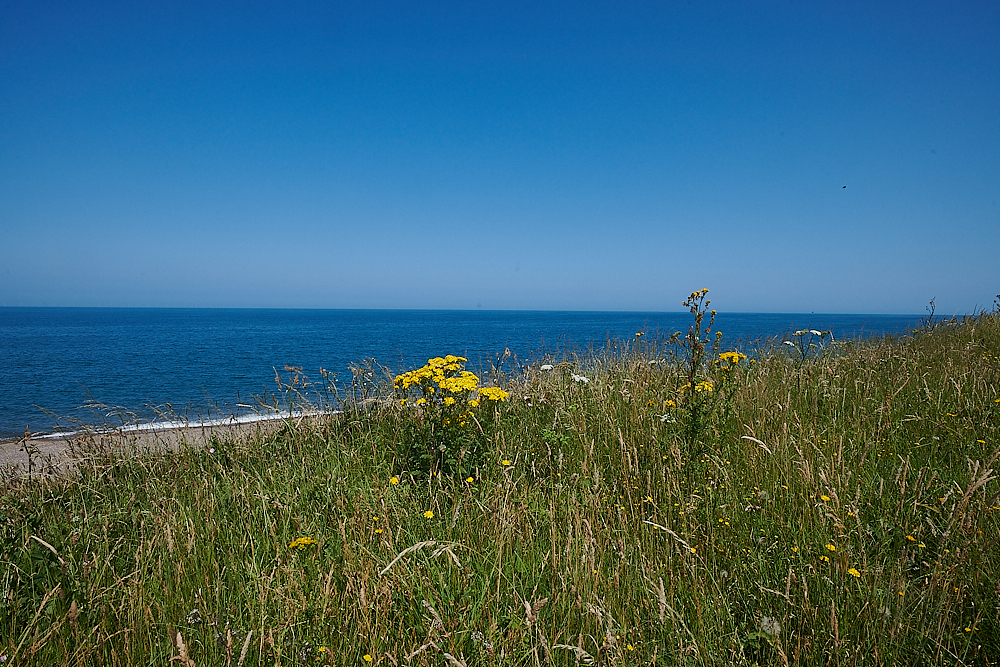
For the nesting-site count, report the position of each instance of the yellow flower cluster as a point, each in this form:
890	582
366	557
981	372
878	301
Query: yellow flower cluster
732	357
493	394
704	386
301	543
436	370
442	374
465	381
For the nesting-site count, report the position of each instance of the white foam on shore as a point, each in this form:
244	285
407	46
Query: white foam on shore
169	425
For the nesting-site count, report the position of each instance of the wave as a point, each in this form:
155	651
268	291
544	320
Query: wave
170	425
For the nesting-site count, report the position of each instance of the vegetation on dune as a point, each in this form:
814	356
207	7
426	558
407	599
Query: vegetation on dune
665	502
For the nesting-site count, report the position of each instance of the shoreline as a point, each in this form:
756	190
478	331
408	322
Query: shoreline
56	454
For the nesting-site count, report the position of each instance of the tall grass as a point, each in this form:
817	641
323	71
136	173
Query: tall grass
841	508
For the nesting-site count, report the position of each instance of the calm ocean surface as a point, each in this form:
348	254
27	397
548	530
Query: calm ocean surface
58	364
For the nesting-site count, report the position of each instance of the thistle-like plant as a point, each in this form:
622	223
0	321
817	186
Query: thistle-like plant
708	373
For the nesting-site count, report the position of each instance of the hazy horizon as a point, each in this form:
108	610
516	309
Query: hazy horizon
937	314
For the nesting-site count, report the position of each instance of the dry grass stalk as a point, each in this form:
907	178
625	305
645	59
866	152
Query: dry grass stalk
246	647
182	650
531	611
580	653
410	549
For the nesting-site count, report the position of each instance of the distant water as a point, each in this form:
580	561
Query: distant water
57	365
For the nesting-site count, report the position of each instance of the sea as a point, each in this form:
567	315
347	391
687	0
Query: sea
63	369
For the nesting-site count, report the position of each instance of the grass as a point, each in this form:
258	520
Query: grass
836	509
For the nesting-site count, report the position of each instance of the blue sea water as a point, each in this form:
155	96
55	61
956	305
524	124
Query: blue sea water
60	367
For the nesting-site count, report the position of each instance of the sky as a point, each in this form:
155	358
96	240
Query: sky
791	156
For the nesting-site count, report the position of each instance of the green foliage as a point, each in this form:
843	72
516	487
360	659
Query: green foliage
706	394
842	509
441	436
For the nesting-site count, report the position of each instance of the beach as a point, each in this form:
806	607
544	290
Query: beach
60	453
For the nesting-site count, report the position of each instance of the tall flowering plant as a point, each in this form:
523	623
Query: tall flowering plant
447	398
707	372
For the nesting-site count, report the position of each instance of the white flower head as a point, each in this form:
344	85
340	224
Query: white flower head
816	333
580	378
545	367
770	626
788	342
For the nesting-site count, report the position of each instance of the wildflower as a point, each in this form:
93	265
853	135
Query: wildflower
732	357
825	499
854	573
301	543
449	400
669	404
428	514
830	547
394	481
421	401
770	626
474	403
580	378
705	385
493	394
825	559
795	549
911	538
378	531
505	462
368	658
469	480
545	367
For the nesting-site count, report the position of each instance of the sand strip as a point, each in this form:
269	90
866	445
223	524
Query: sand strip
58	455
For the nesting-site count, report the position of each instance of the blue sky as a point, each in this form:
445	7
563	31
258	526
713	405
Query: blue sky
568	156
